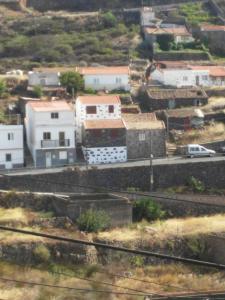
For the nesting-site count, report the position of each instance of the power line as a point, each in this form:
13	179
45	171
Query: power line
117	248
70	288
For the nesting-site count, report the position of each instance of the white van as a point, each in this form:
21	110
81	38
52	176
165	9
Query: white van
193	150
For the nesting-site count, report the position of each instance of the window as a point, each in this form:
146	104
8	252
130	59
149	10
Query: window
185	78
62	155
118	80
111	109
141	137
8	157
114	133
10	136
54	115
91	110
96	81
204	77
46	135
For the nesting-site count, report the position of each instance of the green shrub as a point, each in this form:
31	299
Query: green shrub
2	87
196	185
37	91
42	253
93	221
109	20
147	209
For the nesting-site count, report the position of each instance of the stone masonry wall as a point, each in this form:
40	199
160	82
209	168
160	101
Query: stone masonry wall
210	172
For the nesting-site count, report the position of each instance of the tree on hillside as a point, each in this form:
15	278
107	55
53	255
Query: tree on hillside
2	87
109	20
72	81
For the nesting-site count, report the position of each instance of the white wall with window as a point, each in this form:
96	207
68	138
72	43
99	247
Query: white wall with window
11	146
107	82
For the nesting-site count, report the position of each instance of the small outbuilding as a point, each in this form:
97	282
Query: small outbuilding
145	135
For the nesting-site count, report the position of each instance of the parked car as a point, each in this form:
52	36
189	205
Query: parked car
222	150
193	150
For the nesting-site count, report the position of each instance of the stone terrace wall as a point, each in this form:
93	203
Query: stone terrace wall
210	172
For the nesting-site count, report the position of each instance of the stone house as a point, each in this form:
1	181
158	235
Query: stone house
104	141
214	35
158	99
182	119
179	33
144	135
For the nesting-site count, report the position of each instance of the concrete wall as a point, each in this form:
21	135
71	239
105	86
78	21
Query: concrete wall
181	56
117	208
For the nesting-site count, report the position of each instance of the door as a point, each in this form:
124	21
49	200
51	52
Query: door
8	161
197	80
62	139
48	157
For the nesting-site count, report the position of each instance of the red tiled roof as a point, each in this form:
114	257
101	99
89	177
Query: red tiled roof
210	27
55	70
106	99
104	124
43	106
182	30
104	70
214	71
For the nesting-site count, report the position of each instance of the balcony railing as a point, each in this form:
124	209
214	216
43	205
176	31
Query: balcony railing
55	143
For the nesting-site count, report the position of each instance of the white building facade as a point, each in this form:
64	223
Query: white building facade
147	16
106	78
11	146
100	129
96	108
181	77
50	132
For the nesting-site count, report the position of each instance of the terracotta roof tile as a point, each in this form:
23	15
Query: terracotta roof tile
167	94
104	70
210	27
214	71
104	124
182	30
43	106
142	121
94	100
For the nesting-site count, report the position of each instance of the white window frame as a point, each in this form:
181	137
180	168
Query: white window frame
142	137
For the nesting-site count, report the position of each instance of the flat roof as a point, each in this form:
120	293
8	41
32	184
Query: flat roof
104	124
142	121
185	112
181	93
43	106
104	99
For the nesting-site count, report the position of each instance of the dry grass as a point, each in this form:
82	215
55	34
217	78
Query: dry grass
167	229
163	278
215	103
210	133
13	216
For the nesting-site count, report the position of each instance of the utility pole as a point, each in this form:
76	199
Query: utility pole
151	165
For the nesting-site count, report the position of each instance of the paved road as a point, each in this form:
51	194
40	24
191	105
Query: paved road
156	162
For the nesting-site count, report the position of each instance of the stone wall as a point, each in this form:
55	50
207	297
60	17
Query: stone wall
141	149
210	172
181	56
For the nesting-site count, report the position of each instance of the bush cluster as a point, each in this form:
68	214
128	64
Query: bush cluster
147	209
93	221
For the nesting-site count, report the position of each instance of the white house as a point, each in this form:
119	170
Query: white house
97	78
181	77
11	143
100	129
96	108
50	132
46	77
147	16
187	76
106	78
